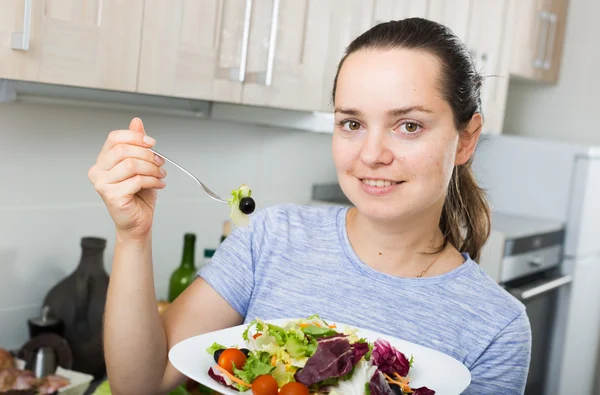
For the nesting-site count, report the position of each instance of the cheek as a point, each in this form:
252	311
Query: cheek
343	154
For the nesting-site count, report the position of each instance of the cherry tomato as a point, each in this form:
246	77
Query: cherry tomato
230	357
265	385
294	388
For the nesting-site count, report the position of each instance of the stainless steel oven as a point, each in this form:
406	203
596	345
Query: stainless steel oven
524	256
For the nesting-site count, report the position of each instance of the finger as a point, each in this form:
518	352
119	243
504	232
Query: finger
137	125
126	137
131	167
133	185
121	152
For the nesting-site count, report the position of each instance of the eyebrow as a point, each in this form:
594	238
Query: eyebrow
393	112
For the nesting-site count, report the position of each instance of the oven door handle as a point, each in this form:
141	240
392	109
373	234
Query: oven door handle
543	288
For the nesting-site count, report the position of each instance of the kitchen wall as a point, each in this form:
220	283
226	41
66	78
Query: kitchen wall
569	110
47	203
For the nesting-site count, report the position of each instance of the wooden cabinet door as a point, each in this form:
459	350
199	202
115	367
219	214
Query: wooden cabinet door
386	10
539	36
454	14
295	47
488	38
84	43
194	49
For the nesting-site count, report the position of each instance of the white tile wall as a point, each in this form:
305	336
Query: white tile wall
47	203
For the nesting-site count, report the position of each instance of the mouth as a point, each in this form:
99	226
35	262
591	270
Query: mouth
379	183
378	187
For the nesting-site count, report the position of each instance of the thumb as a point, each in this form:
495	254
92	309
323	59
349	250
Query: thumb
137	125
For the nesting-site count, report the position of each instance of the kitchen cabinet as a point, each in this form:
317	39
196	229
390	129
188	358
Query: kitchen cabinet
386	10
271	53
295	47
86	43
454	14
539	33
489	39
194	49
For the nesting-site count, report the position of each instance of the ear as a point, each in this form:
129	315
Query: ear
468	140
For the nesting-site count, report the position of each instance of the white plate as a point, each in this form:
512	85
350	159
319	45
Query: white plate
433	369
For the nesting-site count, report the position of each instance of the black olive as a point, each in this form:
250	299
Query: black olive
397	389
245	351
217	354
247	205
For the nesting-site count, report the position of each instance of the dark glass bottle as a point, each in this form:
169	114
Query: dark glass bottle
186	272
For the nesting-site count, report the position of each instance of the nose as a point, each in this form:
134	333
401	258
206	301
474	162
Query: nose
375	151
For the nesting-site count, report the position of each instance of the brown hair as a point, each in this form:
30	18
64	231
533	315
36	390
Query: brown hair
465	219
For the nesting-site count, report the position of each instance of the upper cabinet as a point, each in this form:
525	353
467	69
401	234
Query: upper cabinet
272	53
89	43
454	14
386	10
295	47
489	39
280	54
194	49
539	33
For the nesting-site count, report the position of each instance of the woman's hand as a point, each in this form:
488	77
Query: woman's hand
127	176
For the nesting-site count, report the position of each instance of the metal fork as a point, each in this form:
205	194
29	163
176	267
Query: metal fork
210	193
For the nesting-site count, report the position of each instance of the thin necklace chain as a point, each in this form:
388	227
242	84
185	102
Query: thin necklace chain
427	268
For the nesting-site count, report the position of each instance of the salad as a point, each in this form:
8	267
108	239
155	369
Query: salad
309	356
242	205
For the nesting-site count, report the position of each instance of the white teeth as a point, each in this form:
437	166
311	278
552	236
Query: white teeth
378	183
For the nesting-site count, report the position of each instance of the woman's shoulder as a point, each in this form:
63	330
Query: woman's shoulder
485	294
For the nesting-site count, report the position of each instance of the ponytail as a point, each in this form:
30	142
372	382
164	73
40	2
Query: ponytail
465	220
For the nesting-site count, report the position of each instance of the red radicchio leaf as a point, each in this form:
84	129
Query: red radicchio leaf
389	360
218	377
333	358
423	391
378	385
359	349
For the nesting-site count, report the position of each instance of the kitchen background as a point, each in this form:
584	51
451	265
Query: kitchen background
50	138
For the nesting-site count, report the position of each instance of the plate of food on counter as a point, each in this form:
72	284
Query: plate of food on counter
308	356
16	379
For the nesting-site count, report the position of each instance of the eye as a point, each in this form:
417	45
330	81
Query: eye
351	125
410	127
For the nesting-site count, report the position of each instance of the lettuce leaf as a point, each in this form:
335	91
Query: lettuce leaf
215	346
239	218
389	360
256	365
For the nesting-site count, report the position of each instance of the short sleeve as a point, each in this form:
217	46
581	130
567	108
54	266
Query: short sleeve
231	269
502	368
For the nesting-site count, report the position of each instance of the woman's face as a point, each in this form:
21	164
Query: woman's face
395	143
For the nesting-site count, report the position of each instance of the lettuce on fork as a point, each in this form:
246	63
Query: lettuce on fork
241	204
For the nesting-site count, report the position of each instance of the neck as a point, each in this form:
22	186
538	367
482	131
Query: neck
399	248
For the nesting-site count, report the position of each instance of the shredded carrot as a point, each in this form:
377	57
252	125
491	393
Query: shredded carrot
402	383
257	335
274	360
304	325
232	377
332	326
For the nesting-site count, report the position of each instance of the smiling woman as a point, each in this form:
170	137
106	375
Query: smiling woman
402	261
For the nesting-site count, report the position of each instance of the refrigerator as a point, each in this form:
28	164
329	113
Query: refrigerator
558	181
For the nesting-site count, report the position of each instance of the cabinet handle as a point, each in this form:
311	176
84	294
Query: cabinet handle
553	21
266	77
538	63
238	74
20	40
